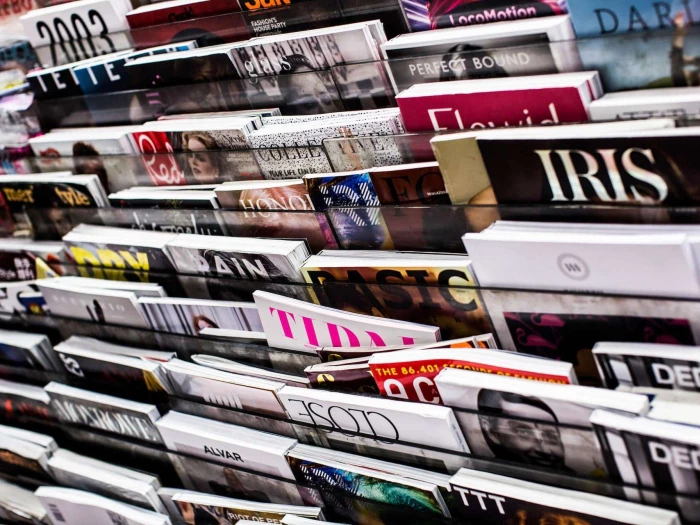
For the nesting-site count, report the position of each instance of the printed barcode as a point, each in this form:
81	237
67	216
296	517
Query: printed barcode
117	519
56	512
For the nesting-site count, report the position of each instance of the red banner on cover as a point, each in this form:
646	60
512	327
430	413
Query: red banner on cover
415	380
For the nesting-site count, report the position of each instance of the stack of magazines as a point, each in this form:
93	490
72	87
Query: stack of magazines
302	261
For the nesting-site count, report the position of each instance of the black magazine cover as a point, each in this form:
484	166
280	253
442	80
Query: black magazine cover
640	170
110	376
648	371
64	194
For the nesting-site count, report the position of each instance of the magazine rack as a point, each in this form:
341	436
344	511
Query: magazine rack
557	325
86	42
368	85
437	228
177	469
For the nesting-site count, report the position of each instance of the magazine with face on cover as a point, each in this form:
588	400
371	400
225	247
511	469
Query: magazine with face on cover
535	423
190	316
85	508
264	195
226	443
224	388
122	484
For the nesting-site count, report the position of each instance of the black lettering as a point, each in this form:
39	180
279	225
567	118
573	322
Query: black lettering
601	22
636	18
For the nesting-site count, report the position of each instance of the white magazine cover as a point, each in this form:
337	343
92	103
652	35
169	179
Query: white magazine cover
281	318
100	306
109	17
659	264
19	505
123	484
535	423
378	417
647	103
224	389
190	316
225	443
37	438
77	507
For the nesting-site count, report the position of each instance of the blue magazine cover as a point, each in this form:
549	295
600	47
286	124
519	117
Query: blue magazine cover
604	17
350	190
662	58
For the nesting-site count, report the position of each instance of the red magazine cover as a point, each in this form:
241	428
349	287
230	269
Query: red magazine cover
474	111
414	379
179	11
208	31
161	166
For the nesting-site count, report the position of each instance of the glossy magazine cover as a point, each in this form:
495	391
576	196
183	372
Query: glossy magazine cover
667	165
191	318
437	14
663	58
355	190
459	312
212	478
566	326
336	479
420	184
234	265
119	255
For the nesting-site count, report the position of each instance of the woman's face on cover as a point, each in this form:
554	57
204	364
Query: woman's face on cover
309	94
200	163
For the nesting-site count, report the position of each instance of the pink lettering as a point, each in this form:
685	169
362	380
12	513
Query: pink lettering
334	333
310	331
376	339
284	321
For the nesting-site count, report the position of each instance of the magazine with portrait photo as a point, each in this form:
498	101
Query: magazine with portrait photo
545	425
